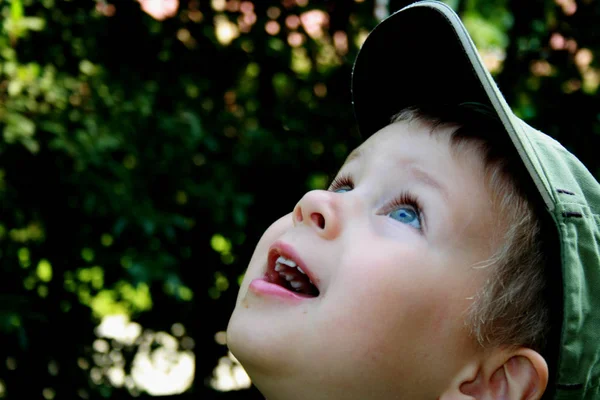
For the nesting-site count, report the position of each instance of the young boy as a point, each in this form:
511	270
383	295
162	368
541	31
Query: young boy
456	255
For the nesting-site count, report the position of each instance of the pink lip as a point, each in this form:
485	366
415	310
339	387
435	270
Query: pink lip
280	248
261	287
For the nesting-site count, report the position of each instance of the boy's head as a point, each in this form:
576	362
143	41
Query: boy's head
405	249
430	280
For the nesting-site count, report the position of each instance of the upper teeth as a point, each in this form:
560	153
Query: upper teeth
284	267
289	263
283	260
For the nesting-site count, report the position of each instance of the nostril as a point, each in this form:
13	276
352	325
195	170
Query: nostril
318	219
298	214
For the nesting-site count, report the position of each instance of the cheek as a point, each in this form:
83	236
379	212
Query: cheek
400	305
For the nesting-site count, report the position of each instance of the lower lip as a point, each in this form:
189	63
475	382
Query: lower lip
262	287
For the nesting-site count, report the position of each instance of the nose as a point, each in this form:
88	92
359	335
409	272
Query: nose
320	210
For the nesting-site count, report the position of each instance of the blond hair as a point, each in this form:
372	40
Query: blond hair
511	308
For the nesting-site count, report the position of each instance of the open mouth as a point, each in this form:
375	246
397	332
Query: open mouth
285	272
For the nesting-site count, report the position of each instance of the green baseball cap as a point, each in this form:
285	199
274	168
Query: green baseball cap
423	53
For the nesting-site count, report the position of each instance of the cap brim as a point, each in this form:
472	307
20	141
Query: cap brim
415	56
423	54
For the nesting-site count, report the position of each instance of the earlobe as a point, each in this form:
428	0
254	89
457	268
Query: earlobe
520	374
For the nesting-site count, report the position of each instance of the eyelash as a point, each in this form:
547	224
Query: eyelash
405	198
340	182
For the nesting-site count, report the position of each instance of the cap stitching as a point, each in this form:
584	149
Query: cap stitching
572	214
564	191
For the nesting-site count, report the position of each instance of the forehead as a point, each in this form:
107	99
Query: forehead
428	155
416	140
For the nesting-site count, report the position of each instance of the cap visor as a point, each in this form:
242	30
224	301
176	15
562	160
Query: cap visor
417	55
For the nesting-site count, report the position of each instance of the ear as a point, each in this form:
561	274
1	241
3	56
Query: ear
518	374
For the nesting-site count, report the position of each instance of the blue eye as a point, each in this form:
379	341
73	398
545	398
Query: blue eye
407	215
404	208
342	190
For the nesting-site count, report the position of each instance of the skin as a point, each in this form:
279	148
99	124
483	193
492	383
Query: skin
389	320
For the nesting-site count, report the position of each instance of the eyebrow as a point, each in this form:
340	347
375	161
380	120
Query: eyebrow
418	173
427	179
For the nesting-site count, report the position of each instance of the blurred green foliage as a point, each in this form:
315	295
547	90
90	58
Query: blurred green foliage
142	155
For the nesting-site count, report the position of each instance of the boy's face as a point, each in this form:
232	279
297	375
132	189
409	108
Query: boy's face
394	282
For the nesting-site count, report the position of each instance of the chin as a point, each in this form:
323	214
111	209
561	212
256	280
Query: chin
239	335
261	345
248	340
